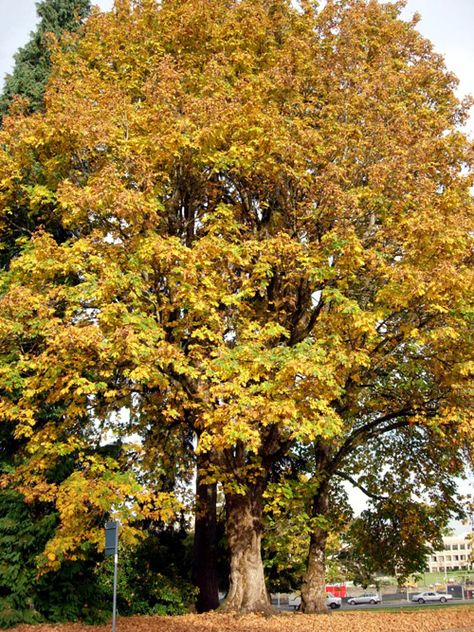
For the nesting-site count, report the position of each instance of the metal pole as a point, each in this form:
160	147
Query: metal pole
114	602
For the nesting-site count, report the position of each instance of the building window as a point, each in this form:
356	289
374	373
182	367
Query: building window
455	547
447	547
462	547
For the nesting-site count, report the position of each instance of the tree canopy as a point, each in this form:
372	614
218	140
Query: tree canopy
266	241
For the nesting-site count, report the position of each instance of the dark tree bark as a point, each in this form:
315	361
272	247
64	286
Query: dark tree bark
247	590
205	574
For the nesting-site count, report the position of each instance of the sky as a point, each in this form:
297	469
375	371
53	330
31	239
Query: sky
448	24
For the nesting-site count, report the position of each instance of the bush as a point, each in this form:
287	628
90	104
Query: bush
152	578
70	594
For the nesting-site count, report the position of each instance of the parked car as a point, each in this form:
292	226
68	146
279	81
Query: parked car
364	598
331	601
431	596
294	601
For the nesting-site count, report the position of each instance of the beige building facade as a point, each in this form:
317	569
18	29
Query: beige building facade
457	555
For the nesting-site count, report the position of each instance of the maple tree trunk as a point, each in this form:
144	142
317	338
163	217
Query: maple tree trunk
205	542
313	590
247	590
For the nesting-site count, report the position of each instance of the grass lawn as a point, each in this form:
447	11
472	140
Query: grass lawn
439	578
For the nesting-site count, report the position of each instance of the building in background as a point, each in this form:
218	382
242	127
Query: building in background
457	555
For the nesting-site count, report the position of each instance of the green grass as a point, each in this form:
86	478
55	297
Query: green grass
430	606
439	578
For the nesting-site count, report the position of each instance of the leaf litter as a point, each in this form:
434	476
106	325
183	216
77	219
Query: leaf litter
447	620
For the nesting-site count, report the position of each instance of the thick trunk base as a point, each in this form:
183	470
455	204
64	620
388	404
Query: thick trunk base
247	590
313	591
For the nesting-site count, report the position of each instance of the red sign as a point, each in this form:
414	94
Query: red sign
338	590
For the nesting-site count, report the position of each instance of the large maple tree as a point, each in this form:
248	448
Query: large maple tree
270	243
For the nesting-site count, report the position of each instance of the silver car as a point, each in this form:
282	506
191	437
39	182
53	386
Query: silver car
364	598
431	596
331	601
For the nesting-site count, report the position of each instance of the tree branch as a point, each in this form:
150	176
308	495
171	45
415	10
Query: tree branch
365	430
356	483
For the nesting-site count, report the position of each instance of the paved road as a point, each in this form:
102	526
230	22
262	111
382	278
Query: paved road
388	604
399	604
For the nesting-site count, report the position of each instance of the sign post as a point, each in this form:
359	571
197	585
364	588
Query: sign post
111	548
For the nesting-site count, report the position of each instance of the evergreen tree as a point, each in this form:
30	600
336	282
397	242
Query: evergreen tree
32	61
24	529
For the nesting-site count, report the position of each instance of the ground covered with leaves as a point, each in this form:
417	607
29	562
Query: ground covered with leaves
447	619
